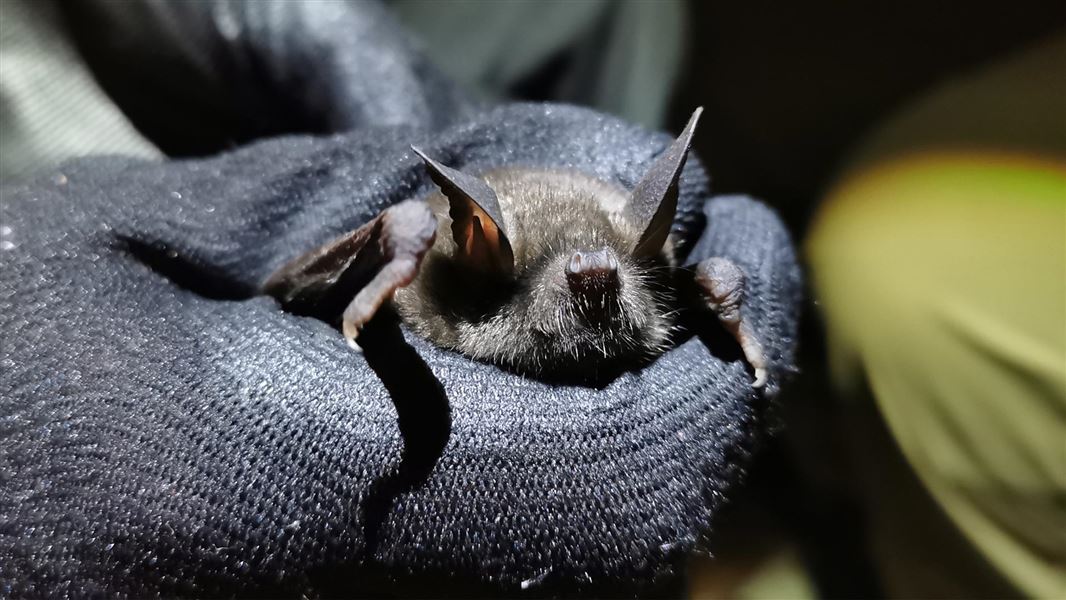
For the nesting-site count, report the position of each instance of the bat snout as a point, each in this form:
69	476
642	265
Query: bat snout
592	277
592	260
592	272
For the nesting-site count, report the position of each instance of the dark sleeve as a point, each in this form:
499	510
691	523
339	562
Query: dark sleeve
202	76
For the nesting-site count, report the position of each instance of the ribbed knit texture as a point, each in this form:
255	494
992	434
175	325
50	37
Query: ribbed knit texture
163	432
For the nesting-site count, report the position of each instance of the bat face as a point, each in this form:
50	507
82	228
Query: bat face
549	272
546	271
574	299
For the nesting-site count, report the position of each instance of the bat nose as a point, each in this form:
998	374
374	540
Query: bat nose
592	263
592	273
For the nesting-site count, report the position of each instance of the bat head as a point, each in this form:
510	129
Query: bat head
558	283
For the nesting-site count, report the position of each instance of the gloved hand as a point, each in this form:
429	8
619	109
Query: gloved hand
164	430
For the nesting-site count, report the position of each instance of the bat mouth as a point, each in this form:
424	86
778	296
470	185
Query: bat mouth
592	358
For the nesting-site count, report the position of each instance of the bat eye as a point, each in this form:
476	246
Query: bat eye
592	273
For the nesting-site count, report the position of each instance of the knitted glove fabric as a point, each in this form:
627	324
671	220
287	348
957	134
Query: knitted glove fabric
166	431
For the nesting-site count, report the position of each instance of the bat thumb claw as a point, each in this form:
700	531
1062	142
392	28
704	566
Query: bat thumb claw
351	333
761	377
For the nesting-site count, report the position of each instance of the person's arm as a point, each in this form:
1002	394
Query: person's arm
197	77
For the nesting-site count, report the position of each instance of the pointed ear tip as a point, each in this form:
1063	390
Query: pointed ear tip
694	118
431	164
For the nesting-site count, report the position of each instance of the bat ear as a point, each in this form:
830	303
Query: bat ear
654	200
477	222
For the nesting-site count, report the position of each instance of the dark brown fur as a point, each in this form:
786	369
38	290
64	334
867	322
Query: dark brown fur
548	272
532	321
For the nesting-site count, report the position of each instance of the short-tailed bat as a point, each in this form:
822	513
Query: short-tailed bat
544	271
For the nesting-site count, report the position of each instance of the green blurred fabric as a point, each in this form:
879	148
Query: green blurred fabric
939	264
622	57
51	109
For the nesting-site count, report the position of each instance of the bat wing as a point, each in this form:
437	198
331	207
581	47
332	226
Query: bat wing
354	274
723	286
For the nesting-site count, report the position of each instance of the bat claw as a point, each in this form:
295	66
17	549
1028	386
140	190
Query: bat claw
386	253
351	334
761	377
723	284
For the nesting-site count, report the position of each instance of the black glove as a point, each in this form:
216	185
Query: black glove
165	431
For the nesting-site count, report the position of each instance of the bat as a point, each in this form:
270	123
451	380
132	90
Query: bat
543	271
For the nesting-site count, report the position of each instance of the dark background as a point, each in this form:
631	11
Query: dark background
789	89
